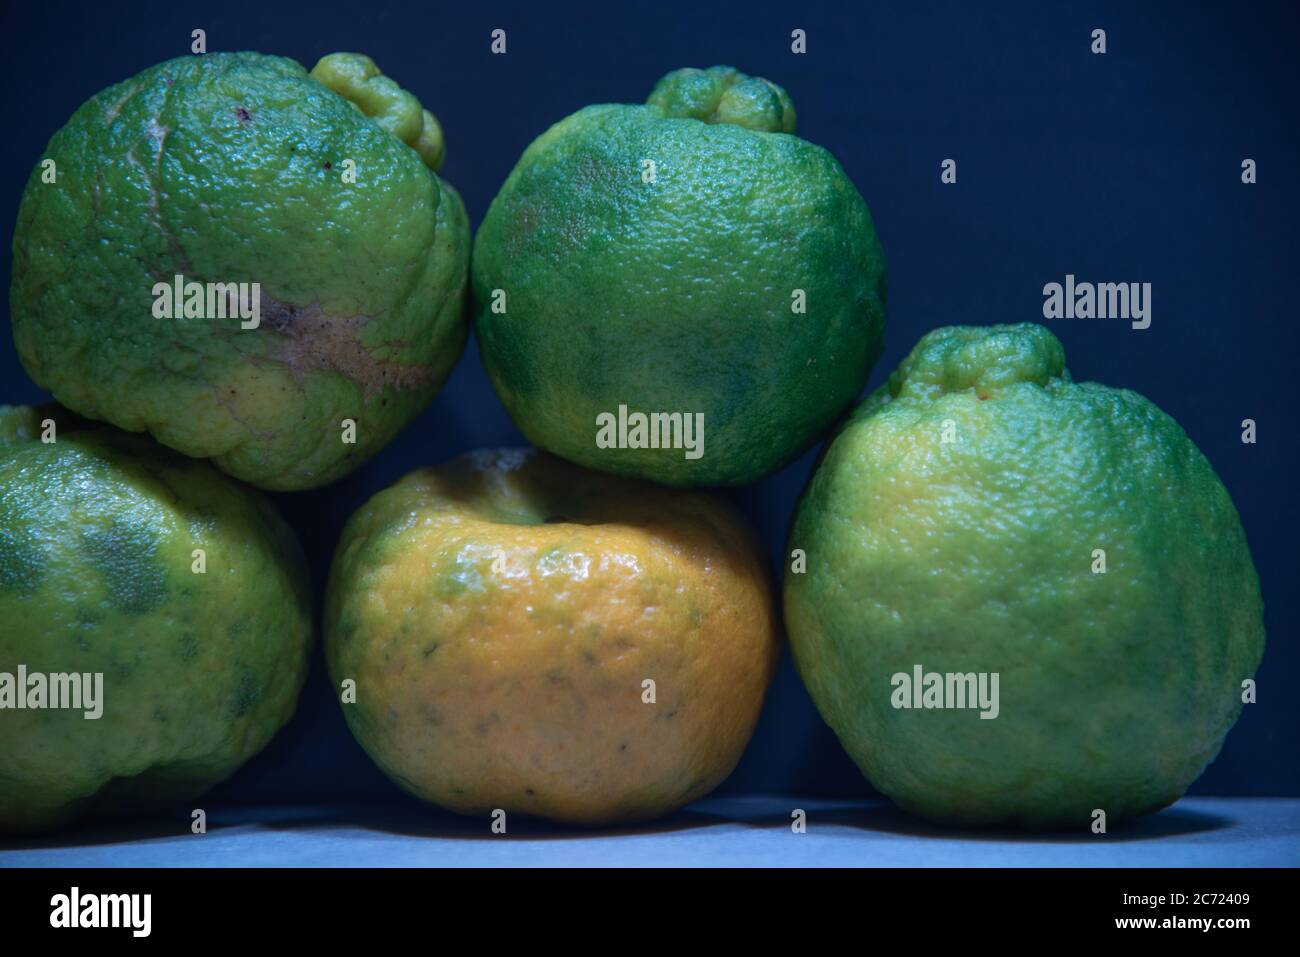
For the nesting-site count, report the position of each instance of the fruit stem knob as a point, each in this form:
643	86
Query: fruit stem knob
355	77
722	94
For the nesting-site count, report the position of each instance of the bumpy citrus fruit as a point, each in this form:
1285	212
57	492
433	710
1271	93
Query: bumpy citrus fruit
239	168
526	635
982	513
692	256
98	537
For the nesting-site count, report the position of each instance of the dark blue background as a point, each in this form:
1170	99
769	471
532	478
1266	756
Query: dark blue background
1122	167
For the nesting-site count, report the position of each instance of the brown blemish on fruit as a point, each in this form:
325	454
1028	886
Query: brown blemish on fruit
311	341
243	114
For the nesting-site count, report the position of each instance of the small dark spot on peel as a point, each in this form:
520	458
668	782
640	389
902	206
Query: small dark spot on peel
23	560
328	165
280	316
246	694
125	556
243	114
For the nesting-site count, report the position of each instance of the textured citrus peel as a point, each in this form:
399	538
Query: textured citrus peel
722	94
983	359
315	341
355	77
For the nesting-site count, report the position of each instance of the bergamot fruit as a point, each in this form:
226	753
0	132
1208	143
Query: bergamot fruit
182	590
688	257
518	633
981	515
226	170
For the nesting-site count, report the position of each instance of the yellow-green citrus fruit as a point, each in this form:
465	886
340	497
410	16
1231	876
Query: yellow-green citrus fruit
688	256
182	590
983	515
526	635
228	170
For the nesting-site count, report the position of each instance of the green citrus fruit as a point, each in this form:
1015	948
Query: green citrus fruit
687	256
239	168
182	589
527	635
983	514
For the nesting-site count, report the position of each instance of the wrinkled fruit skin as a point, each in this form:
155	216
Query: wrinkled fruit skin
229	168
499	615
676	295
976	555
97	533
